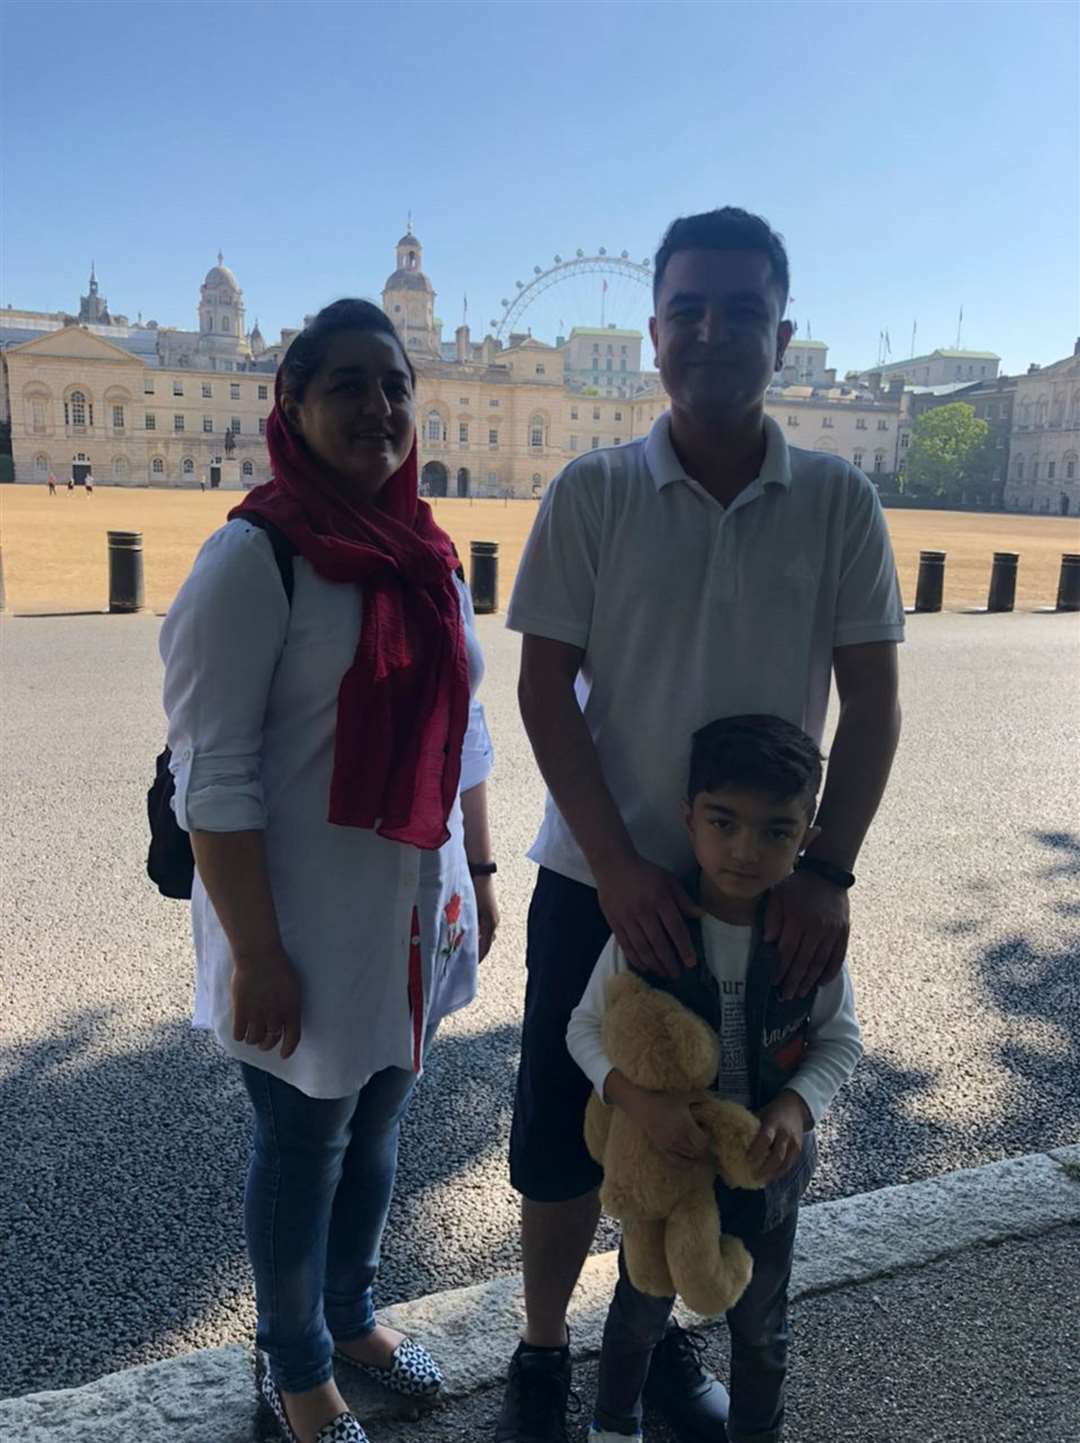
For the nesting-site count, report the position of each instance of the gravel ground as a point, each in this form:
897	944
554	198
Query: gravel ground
929	1357
124	1136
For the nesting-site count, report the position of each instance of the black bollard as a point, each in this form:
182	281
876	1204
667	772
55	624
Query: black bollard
1068	597
1003	581
931	581
484	577
125	571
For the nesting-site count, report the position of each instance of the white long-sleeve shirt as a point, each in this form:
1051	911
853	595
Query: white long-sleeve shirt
251	689
834	1043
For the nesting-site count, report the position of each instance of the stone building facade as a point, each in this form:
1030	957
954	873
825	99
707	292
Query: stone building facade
939	368
1044	452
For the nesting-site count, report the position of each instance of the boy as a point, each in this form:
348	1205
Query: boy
750	807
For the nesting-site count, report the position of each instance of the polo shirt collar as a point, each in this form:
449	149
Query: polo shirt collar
665	467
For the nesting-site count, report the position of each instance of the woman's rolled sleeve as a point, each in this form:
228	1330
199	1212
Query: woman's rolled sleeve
220	643
477	752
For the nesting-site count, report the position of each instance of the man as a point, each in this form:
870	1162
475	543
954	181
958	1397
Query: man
705	570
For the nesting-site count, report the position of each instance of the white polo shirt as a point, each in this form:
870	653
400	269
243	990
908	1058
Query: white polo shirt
687	610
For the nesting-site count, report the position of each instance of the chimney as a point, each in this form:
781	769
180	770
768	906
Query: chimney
830	376
1076	348
1033	368
487	350
461	343
873	380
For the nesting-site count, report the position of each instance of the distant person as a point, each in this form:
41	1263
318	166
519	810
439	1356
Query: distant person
71	484
51	483
331	766
749	812
705	570
202	483
89	484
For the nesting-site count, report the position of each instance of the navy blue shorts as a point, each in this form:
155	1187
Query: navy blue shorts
566	934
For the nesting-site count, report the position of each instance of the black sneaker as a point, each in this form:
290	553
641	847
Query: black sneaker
682	1389
537	1397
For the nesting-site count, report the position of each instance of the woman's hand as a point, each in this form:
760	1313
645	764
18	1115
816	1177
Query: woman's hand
266	1003
487	912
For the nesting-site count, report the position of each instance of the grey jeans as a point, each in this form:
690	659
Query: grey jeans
758	1324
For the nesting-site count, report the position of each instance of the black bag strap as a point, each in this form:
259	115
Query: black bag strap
284	550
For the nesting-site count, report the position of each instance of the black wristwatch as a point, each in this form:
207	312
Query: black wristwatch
482	869
836	875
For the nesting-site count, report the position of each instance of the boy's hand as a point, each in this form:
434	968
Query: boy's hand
808	918
777	1146
666	1120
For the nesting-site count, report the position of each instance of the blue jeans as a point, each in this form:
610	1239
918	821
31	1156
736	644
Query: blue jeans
759	1340
318	1192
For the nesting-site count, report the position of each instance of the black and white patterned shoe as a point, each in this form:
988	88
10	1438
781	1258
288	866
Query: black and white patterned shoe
412	1372
272	1422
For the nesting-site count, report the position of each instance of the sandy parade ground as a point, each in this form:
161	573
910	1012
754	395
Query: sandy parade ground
55	553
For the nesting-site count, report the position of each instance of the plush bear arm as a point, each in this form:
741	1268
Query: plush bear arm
731	1129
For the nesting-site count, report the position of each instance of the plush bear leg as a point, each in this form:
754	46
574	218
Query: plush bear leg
710	1271
643	1247
731	1129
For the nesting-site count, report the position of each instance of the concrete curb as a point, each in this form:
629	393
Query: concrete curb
206	1397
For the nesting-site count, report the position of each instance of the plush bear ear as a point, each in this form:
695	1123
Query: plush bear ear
624	984
655	1041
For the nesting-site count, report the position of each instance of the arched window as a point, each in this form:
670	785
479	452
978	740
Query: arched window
1040	411
1074	409
247	469
879	462
536	431
226	324
1069	462
1025	412
39	414
157	466
41	466
857	459
75	409
189	466
119	468
435	427
1019	468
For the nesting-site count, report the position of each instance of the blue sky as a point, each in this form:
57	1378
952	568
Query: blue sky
917	157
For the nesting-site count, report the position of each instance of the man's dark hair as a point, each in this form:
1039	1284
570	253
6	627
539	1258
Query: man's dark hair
308	350
758	754
727	229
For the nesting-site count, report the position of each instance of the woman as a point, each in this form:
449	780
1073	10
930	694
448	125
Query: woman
330	768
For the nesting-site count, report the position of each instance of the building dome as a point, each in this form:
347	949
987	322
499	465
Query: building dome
408	239
220	277
408	280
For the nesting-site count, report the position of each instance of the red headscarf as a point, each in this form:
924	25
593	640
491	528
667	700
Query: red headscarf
403	705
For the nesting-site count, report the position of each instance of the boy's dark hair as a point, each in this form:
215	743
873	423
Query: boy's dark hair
759	753
307	350
727	229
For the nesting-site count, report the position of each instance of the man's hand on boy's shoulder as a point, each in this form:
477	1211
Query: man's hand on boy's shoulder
808	919
779	1143
646	908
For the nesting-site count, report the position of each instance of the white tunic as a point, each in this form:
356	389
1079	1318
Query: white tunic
251	688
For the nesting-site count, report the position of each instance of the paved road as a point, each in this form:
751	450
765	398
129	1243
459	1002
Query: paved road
123	1137
959	1352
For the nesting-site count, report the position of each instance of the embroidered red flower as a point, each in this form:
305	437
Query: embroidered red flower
452	910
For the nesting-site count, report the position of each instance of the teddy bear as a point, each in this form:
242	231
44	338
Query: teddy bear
671	1223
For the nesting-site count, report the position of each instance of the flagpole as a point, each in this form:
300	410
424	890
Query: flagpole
914	326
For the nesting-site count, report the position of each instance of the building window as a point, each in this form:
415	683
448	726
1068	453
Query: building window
879	462
234	425
857	459
264	394
207	391
860	424
595	442
157	466
262	425
189	466
573	443
596	413
1051	467
618	415
540	370
1070	470
493	478
38	414
883	425
536	432
1034	470
178	423
826	423
463	433
434	426
208	424
793	420
247	469
226	324
618	440
573	413
1019	470
41	466
596	348
150	421
234	390
905	438
493	401
75	410
178	388
118	418
148	385
493	438
463	400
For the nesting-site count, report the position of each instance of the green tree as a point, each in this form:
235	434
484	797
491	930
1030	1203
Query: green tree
951	453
